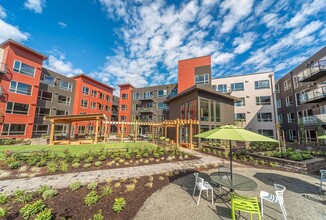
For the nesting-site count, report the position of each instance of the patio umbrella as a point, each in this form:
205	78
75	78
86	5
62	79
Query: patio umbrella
234	133
322	137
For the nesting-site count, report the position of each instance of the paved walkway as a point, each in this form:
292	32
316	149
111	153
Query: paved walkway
63	180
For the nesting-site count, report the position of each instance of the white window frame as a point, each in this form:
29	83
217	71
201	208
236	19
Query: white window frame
288	117
69	88
280	118
20	67
85	90
39	97
94	93
287	101
16	88
92	105
125	107
36	130
164	93
291	134
67	102
13	106
278	103
37	112
124	96
259	84
82	104
261	119
287	85
9	130
206	79
263	103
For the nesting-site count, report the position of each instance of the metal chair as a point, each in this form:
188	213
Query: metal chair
202	185
274	198
322	179
245	204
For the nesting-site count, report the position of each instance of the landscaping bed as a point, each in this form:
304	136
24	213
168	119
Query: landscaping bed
18	165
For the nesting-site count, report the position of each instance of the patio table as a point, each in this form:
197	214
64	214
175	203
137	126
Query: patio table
240	182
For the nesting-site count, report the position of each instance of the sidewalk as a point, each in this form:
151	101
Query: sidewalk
63	180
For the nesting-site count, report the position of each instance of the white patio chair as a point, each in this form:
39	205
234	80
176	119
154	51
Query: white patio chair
274	198
202	185
322	179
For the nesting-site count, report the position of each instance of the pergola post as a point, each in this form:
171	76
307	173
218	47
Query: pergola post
52	132
190	134
69	131
135	132
96	130
105	131
122	129
165	131
177	133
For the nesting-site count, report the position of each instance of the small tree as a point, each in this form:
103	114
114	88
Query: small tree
302	139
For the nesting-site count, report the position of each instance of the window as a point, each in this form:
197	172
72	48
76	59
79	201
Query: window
136	96
107	108
124	96
222	88
47	79
123	118
21	88
290	117
297	98
66	86
202	79
240	103
24	68
240	116
124	107
278	103
204	110
264	117
13	129
62	112
292	135
161	106
148	95
93	105
84	103
277	88
135	107
85	90
267	133
237	87
108	98
322	109
43	95
17	108
94	93
262	84
287	85
40	129
161	93
217	112
100	106
280	117
101	95
288	101
263	100
64	99
295	82
40	112
60	129
81	129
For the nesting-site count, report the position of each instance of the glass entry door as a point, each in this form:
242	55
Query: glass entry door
184	134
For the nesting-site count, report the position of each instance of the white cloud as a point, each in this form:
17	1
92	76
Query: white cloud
62	24
9	31
58	63
3	13
35	5
244	43
222	58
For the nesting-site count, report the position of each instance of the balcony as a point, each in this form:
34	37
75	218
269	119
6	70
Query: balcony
114	112
1	90
316	95
3	68
313	72
146	120
146	98
146	110
314	119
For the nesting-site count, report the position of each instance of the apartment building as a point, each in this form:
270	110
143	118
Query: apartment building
301	99
125	106
256	111
114	114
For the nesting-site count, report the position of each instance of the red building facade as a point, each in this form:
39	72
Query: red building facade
125	106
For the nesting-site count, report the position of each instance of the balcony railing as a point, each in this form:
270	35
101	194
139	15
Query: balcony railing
314	95
3	68
314	119
312	72
146	97
146	110
114	112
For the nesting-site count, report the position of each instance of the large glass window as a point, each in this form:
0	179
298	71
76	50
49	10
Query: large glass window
62	112
193	110
47	79
136	96
263	100
161	106
93	105
278	103
264	117
161	93
84	103
290	117
21	88
65	85
240	116
202	79
124	107
42	112
288	101
148	95
40	129
222	88
217	112
44	95
240	103
204	110
85	90
24	68
287	85
237	87
13	129
262	84
64	99
17	108
124	96
267	133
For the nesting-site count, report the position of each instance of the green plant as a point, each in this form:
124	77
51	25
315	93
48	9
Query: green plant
3	198
273	164
75	185
130	187
98	216
92	186
255	162
63	166
49	194
42	189
116	159
75	165
46	214
106	190
119	204
145	155
101	158
89	160
3	212
41	163
263	162
22	197
98	163
91	198
14	165
87	165
30	210
52	167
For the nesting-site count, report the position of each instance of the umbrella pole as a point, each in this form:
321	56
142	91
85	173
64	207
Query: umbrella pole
231	171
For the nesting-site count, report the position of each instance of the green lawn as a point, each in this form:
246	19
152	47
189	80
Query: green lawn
75	149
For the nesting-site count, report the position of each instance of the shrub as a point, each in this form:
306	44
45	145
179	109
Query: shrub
106	190
117	185
92	186
98	163
89	160
75	160
119	204
75	185
41	163
14	165
3	212
22	197
52	167
117	159
87	165
138	156
91	198
3	198
46	214
30	210
145	155
130	187
156	155
42	189
63	166
128	156
101	158
49	194
98	216
75	165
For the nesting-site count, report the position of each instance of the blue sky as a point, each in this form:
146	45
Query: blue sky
140	42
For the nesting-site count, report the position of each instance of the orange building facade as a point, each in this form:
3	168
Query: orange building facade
125	106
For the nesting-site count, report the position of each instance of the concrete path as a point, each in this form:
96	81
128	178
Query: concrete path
63	180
